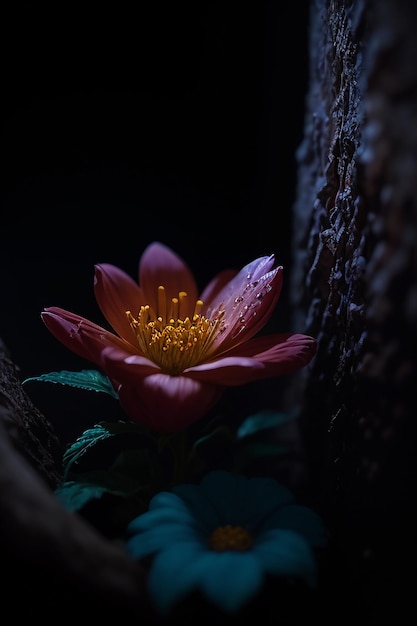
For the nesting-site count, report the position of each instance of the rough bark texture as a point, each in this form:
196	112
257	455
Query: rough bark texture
354	288
53	562
25	426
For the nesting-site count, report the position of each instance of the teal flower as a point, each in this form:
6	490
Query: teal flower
222	538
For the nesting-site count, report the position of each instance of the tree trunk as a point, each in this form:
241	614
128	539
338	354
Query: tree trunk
354	288
53	562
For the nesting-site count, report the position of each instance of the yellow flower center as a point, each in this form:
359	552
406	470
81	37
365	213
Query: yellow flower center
230	538
169	339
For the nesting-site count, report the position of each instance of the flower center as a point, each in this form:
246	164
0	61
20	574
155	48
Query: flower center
230	538
169	338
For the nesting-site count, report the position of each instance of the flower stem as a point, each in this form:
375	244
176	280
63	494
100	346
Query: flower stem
177	445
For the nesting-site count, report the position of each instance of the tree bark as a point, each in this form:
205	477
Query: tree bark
355	288
53	562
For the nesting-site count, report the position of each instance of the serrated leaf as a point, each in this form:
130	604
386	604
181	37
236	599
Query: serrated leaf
88	439
90	380
74	495
262	421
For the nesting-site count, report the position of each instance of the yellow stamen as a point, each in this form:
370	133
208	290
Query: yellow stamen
174	309
169	338
182	297
230	538
197	309
162	303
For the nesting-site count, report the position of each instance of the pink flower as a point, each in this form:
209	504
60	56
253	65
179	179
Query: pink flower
174	352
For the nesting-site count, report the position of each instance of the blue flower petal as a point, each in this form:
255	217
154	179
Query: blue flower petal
159	538
177	526
167	499
228	579
234	579
286	553
176	572
162	516
196	501
241	500
227	493
300	519
264	496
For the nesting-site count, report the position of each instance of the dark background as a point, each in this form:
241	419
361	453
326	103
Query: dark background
176	122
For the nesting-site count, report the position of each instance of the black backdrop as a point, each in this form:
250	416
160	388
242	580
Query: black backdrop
177	122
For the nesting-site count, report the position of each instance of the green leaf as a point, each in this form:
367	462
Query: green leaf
87	440
101	432
220	431
91	380
74	495
120	480
259	450
262	421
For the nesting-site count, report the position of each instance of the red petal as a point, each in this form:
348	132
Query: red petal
125	367
159	265
229	371
280	353
249	308
263	357
288	356
168	403
216	284
266	347
80	335
116	292
249	273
